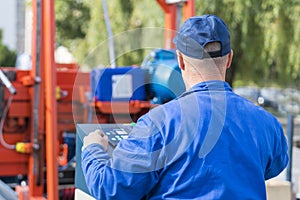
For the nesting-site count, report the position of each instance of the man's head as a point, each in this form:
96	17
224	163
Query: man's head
203	45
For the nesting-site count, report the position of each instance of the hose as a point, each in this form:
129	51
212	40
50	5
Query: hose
2	141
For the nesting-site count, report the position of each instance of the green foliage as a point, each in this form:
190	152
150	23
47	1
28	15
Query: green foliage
71	20
265	39
127	18
265	35
7	57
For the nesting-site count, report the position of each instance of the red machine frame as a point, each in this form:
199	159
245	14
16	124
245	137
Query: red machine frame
171	16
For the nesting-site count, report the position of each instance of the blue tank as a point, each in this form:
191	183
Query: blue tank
164	76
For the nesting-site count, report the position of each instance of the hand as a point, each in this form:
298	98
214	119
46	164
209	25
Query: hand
97	137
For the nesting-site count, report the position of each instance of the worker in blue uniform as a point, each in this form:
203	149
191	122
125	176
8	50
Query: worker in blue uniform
209	143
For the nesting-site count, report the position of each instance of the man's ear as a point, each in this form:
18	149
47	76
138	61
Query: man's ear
230	55
180	61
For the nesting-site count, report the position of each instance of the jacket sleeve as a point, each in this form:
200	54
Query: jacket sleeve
130	173
278	157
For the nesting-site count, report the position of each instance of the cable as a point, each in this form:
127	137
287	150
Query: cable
2	141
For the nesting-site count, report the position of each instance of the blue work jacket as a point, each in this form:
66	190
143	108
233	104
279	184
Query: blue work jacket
207	144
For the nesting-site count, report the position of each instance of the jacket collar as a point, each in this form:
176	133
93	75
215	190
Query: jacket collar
215	85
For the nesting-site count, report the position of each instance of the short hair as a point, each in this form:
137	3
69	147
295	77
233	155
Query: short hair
216	46
212	46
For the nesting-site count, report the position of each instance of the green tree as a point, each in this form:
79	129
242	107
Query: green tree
7	57
125	16
72	18
264	34
264	37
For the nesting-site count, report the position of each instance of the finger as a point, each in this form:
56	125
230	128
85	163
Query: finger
105	137
95	132
100	132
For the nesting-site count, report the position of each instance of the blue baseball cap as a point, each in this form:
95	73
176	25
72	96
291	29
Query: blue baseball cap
198	31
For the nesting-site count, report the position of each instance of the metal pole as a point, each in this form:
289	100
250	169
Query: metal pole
36	93
170	11
36	160
189	9
290	133
178	16
48	64
111	46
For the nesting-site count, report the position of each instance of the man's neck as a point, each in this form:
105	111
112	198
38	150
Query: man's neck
190	82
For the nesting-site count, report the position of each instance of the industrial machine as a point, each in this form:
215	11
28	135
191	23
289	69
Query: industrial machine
17	121
41	106
37	122
164	80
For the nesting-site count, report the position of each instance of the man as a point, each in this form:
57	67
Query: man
207	144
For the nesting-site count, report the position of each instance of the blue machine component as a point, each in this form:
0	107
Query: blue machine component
159	80
164	76
118	84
